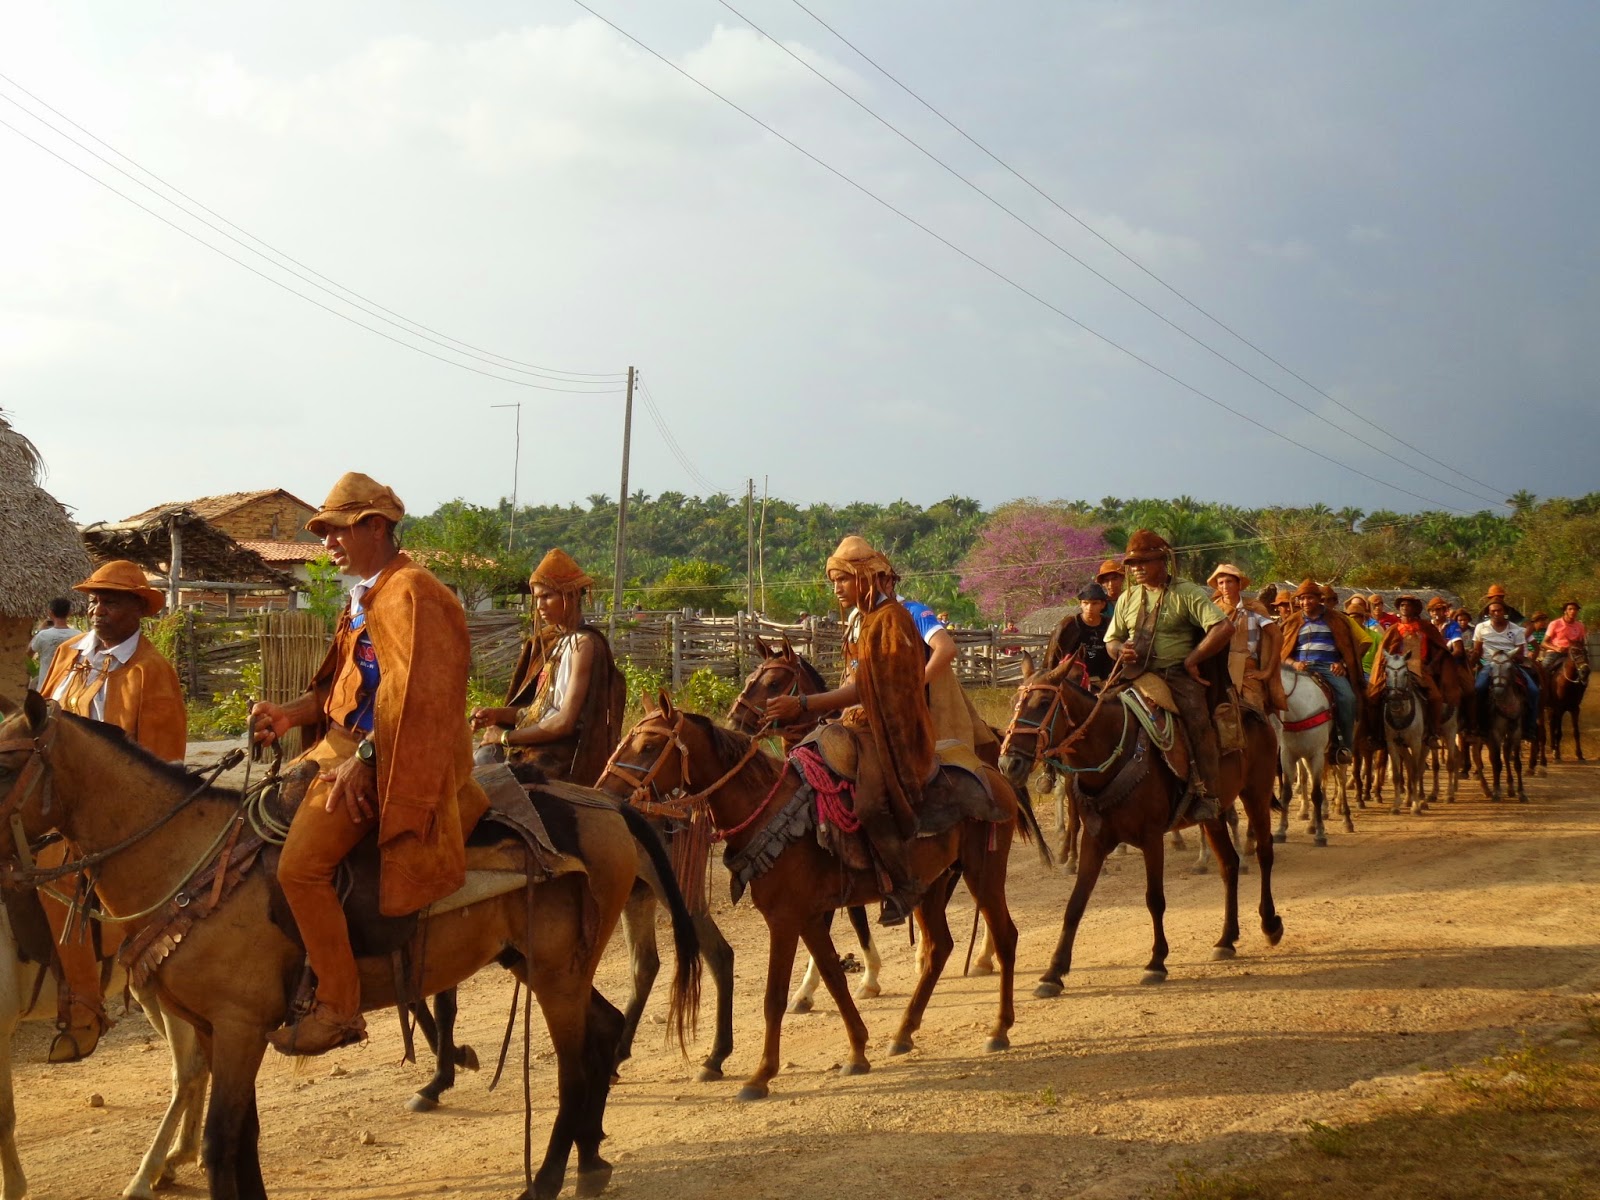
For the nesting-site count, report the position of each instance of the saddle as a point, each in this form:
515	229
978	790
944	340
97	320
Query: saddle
1160	722
836	743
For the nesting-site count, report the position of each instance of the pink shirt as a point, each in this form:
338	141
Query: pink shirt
1561	633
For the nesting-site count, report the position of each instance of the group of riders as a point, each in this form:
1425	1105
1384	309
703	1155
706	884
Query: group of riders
395	757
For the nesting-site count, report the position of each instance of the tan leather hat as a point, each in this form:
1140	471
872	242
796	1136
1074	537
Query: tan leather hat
1145	546
1110	567
1228	569
560	572
354	498
120	575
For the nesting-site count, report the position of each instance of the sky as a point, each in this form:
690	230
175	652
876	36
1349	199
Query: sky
1396	203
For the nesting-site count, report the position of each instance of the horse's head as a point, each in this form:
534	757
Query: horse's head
1500	670
1578	658
1397	672
651	763
781	672
27	796
1038	719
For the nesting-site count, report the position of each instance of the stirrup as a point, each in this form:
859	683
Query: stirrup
66	1047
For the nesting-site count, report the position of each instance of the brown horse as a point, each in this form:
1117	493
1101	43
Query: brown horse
1108	755
148	829
669	754
1567	681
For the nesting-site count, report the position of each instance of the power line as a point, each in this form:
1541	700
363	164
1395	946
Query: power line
1109	282
279	283
1004	278
1059	207
672	444
307	274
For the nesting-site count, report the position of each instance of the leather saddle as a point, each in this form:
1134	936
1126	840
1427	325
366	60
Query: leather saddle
837	745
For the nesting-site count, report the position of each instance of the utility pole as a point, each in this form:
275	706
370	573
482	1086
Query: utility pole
749	545
620	563
761	545
516	470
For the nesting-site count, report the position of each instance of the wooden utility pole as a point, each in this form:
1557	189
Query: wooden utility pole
761	545
516	471
620	563
749	545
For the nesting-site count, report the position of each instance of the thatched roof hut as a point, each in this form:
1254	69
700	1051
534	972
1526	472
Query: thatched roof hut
41	555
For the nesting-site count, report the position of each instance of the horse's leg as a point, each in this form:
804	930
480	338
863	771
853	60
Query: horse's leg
868	988
236	1051
804	999
1177	840
1074	831
1257	801
1199	868
13	1184
252	1186
1093	857
1577	735
447	1056
991	902
1286	773
644	959
1553	719
781	938
1217	833
602	1031
1516	763
1319	804
564	1001
1155	899
936	946
820	943
177	1137
718	955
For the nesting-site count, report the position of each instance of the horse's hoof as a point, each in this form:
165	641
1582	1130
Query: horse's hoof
1320	840
981	968
709	1074
420	1103
868	991
801	1004
1153	977
1222	953
855	1068
752	1091
592	1180
1197	870
1279	839
138	1190
467	1057
1046	990
997	1043
1273	930
894	1048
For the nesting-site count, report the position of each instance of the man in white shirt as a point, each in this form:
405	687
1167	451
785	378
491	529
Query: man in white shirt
1499	634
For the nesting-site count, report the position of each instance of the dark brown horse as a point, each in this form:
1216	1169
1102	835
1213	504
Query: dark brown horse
149	828
1568	681
1127	794
671	754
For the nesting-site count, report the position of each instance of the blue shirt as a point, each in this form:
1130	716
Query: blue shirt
1315	643
926	620
360	718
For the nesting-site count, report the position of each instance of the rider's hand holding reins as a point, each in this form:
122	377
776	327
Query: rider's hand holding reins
271	722
783	708
355	787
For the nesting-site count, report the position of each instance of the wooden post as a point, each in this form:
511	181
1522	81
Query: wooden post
675	631
620	562
191	655
994	655
174	561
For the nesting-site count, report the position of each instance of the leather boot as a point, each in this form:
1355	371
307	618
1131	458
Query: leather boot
80	1030
320	1030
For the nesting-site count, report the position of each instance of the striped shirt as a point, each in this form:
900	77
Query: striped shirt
1315	643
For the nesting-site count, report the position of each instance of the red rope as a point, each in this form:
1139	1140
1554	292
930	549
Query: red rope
723	835
835	797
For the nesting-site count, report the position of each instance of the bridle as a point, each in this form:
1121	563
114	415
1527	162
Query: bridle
679	803
742	704
1055	755
1401	699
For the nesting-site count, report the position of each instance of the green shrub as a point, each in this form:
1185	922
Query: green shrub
707	692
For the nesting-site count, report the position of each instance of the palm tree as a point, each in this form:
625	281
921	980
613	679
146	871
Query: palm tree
1522	500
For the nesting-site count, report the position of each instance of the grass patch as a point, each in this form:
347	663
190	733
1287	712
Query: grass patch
1523	1123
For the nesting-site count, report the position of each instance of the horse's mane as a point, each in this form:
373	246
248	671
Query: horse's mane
117	738
730	745
811	673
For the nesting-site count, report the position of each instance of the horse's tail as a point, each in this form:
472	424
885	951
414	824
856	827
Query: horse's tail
1028	826
683	1008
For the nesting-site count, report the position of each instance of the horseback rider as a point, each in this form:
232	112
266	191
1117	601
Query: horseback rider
395	754
1254	652
1168	627
1499	633
1562	634
1322	642
1366	631
115	675
1498	592
1112	579
1427	658
884	700
563	709
1084	633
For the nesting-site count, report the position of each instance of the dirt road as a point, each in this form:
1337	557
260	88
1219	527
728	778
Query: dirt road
1417	942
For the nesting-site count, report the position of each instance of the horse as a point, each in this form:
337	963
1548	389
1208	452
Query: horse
1404	724
30	996
660	760
1503	724
1305	731
1568	681
1128	798
151	829
786	672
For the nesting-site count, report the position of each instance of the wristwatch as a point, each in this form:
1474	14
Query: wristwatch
367	751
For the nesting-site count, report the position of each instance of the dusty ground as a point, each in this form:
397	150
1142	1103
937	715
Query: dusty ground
1417	942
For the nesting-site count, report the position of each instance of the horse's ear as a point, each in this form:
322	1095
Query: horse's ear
1027	666
788	650
37	709
665	703
761	645
647	703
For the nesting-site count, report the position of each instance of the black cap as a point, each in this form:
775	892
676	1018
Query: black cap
1094	591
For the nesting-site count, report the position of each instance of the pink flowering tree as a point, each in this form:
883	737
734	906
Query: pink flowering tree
1031	555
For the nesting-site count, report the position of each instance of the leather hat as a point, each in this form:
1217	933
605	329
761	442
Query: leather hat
855	556
1375	599
120	575
354	498
560	572
1308	588
1228	569
1406	597
1357	604
1495	592
1330	594
1110	567
1437	603
1145	546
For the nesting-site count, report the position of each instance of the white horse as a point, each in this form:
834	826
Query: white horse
1404	723
177	1139
1305	732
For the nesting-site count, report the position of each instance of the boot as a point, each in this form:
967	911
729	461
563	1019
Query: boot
319	1031
79	1032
